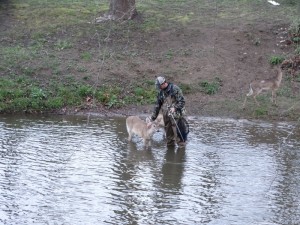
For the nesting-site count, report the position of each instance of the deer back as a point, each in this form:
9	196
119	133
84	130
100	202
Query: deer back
141	128
275	82
267	84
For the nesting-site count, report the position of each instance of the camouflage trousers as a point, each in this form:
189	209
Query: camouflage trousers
170	129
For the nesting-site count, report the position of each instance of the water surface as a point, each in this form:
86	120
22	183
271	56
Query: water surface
82	170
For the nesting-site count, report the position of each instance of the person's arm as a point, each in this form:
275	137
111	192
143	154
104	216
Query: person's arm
180	101
156	108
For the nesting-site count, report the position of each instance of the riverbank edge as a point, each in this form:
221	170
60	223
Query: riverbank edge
145	110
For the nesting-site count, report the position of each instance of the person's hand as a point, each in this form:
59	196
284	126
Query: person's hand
172	110
148	119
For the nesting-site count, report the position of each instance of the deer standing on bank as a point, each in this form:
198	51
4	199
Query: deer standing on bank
143	129
256	87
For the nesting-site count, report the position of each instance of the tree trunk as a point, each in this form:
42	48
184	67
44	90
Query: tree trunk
122	9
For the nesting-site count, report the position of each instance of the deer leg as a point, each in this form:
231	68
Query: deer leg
147	143
254	96
274	97
245	102
256	93
129	136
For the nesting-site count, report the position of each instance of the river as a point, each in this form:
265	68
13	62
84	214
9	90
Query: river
73	170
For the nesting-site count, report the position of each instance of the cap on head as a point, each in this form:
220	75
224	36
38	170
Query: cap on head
159	81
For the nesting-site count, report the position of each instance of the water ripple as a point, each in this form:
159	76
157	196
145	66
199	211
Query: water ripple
75	170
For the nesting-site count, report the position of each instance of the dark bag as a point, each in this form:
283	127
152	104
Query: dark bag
184	129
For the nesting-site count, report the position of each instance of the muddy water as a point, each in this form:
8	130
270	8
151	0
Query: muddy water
79	170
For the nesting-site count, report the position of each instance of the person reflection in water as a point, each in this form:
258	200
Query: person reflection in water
173	167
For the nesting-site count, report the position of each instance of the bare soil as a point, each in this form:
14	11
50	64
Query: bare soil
234	52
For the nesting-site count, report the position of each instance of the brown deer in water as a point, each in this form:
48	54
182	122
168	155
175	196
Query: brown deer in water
256	87
143	129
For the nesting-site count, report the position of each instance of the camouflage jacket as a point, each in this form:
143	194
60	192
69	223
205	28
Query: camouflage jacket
167	98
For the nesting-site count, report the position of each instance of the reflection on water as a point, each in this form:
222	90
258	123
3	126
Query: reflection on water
77	170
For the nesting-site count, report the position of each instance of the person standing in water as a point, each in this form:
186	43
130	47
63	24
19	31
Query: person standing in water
172	103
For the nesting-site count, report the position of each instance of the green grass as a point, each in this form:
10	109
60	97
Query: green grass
60	14
23	94
260	112
47	14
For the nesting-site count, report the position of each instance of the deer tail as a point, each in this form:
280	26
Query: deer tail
250	91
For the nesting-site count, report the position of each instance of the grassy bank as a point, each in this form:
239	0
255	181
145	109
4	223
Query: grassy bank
53	54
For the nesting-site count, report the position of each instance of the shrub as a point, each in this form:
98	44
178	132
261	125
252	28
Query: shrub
87	56
102	96
69	95
211	88
54	103
20	104
275	60
150	82
296	39
261	112
5	94
186	89
36	104
113	101
109	96
85	91
144	95
37	93
139	91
